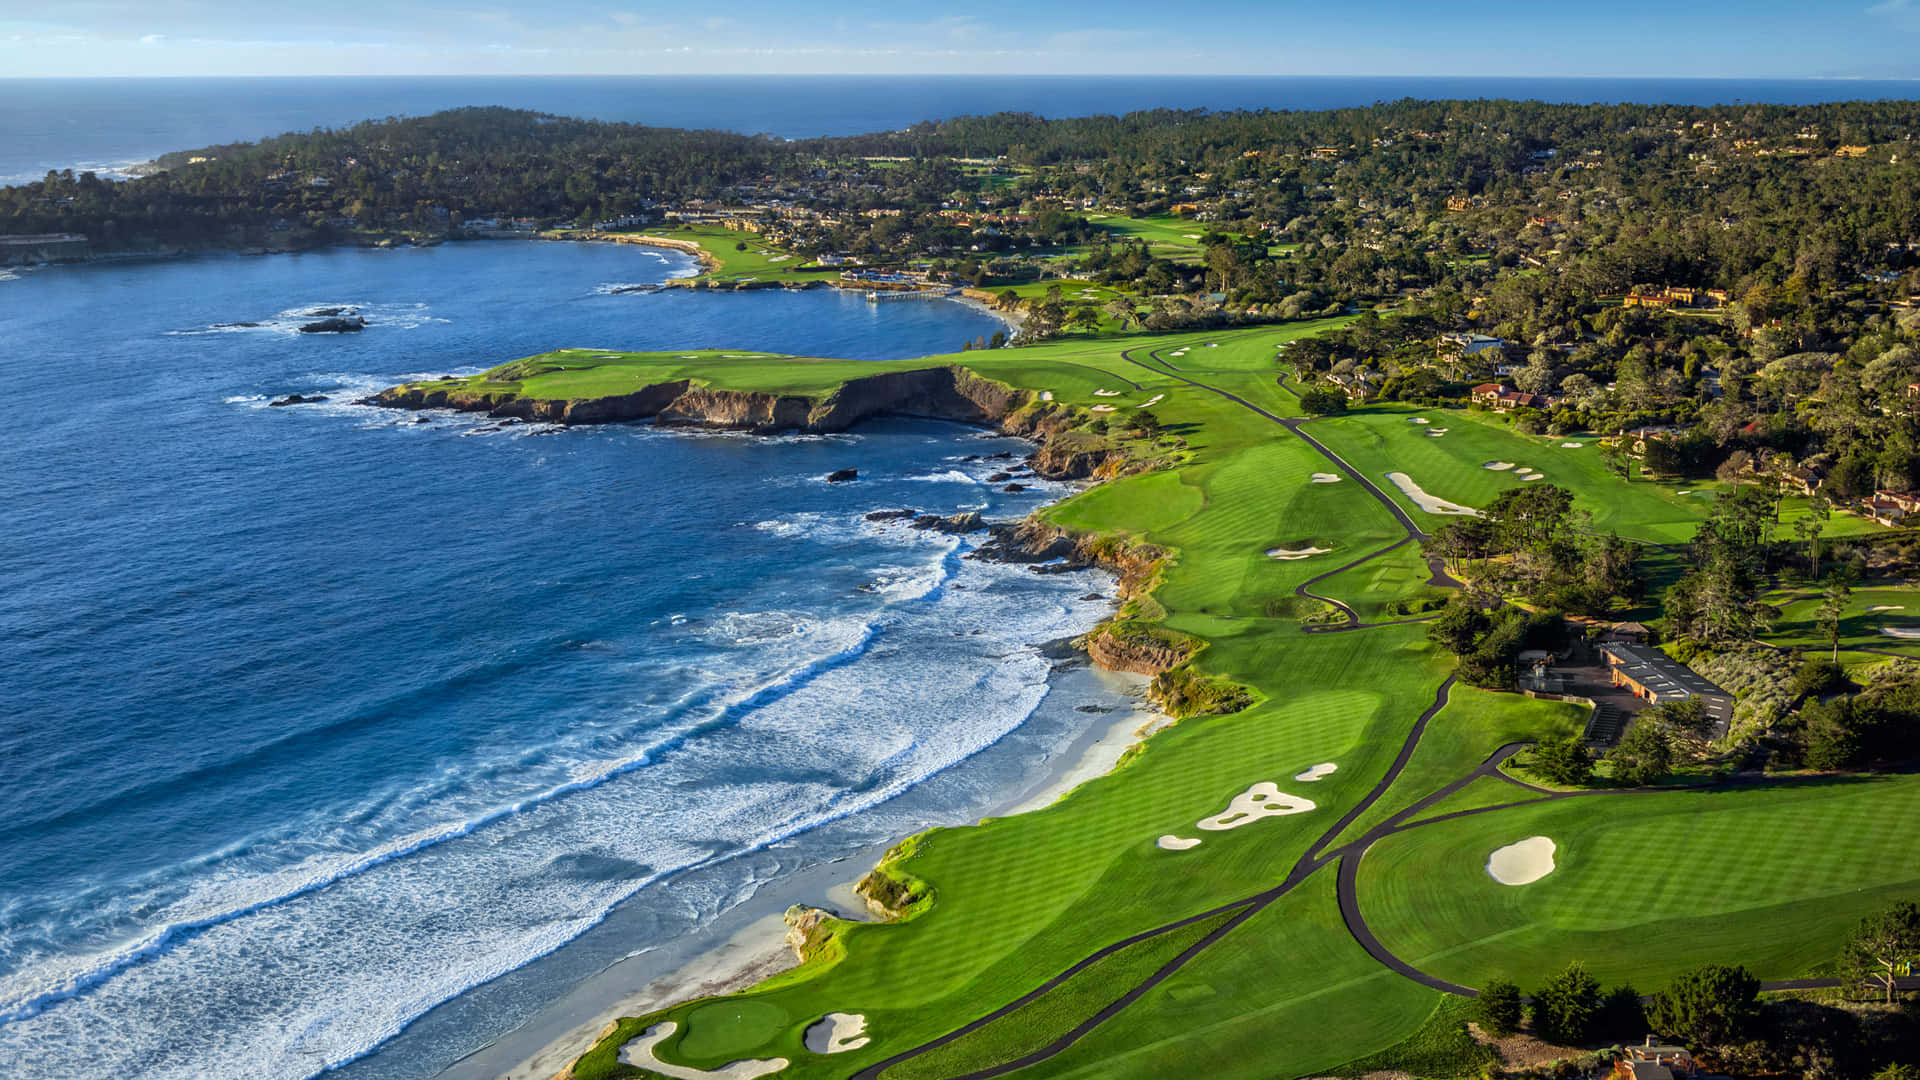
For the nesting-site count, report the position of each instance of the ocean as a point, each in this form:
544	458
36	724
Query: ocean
318	718
110	124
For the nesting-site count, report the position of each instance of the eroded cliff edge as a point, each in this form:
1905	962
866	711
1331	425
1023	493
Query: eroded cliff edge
941	393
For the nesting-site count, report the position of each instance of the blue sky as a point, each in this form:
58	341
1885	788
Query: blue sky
1756	38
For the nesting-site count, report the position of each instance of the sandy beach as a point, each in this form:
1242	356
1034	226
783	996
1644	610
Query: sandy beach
747	944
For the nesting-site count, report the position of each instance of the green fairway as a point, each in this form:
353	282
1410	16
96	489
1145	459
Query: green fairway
1017	901
1382	438
1648	885
1869	615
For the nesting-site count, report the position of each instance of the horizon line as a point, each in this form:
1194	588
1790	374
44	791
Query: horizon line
966	75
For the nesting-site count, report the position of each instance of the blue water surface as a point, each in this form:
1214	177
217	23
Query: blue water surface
317	717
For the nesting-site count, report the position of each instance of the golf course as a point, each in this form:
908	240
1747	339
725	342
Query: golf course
1302	886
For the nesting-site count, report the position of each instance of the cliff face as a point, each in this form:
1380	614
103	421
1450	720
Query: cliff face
1140	653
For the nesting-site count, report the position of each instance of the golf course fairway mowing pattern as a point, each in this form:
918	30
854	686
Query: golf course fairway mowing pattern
1062	920
1649	884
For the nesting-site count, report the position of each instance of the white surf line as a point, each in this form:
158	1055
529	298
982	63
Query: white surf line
837	1033
1429	503
1170	842
638	1052
1262	800
1522	863
1317	773
1150	401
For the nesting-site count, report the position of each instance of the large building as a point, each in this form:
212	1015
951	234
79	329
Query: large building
1661	680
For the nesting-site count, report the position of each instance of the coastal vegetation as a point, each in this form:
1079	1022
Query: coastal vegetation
1062	931
1377	401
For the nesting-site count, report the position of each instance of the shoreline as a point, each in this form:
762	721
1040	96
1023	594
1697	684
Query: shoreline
747	944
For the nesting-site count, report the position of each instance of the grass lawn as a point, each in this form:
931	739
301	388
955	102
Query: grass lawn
1380	439
1861	627
1648	885
1168	237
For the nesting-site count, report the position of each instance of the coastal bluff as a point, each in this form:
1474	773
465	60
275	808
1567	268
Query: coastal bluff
605	389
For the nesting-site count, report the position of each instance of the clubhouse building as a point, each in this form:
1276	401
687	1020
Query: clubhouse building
1659	679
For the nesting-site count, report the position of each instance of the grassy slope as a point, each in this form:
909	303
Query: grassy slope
1020	899
1648	885
1798	626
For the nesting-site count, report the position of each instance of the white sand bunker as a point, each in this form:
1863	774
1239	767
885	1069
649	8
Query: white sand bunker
1150	401
1418	420
1523	863
1101	408
1498	466
1436	433
1908	632
1318	772
1571	445
1262	800
1171	842
1888	607
1533	476
1046	395
639	1053
1106	393
1428	502
1326	478
1290	554
836	1033
779	258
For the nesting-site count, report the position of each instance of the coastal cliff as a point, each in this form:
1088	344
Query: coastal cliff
941	393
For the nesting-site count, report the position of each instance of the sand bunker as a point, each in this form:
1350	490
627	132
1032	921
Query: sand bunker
1155	398
1427	502
1290	553
639	1053
1106	393
836	1033
1171	842
1046	395
1262	800
1101	408
1908	632
1318	772
1498	466
1523	863
1888	607
1326	478
779	258
1418	420
1533	476
1571	445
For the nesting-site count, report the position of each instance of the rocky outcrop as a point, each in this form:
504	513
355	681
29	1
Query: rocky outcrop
1126	647
296	399
338	324
841	476
967	522
805	929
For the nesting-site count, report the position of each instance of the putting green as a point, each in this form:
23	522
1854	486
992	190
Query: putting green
1649	885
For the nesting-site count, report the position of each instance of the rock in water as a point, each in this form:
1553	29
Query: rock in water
891	515
296	399
344	324
841	476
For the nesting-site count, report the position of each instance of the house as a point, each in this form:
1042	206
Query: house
1803	480
1906	501
1488	393
1471	344
1652	1061
1648	673
1628	633
1885	511
1518	399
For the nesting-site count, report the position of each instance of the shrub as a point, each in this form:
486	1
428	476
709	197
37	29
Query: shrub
1563	761
1567	1006
1497	1009
1323	401
1708	1006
